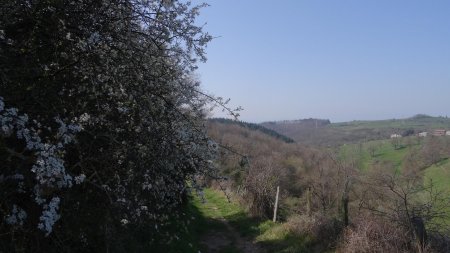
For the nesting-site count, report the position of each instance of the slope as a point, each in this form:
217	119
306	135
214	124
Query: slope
336	134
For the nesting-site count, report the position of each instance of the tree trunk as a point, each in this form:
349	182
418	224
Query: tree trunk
420	233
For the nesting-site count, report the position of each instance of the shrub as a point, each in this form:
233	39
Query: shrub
369	234
318	227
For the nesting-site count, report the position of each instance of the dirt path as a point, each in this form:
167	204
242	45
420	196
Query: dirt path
229	238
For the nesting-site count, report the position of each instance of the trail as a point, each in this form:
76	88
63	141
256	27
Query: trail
217	240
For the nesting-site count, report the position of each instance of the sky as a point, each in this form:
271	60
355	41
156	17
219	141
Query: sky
339	60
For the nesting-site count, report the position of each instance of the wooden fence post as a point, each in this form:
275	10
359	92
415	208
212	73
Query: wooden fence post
276	205
308	201
345	203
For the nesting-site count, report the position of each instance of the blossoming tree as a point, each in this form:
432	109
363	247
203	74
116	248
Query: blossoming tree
102	122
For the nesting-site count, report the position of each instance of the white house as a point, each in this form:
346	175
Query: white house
447	133
423	134
395	136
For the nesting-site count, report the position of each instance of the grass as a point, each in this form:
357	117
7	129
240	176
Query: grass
216	206
207	217
274	237
387	152
440	175
201	217
277	238
206	214
384	152
187	234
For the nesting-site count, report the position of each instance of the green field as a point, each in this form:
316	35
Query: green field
383	152
440	176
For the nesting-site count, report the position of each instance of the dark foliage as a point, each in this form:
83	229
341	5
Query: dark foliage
254	126
120	73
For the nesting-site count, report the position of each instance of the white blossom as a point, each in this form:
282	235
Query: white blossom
49	216
17	216
124	221
48	168
80	179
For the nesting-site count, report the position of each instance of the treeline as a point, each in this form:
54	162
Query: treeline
254	126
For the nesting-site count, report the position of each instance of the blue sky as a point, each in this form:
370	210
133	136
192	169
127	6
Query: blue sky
340	60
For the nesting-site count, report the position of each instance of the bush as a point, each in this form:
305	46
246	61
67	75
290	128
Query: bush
369	234
373	234
318	228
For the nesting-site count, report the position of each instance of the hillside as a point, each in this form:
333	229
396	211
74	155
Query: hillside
253	182
243	143
308	132
323	191
253	126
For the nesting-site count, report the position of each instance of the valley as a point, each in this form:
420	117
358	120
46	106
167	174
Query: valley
318	181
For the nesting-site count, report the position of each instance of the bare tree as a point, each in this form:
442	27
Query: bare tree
372	149
431	150
260	184
406	202
332	183
396	142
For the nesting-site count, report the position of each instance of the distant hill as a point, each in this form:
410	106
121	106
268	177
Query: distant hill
320	132
254	126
